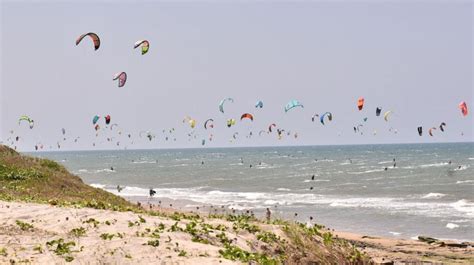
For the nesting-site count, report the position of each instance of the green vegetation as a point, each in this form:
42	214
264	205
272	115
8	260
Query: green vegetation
91	221
267	237
24	226
107	236
235	253
153	243
3	252
30	179
62	248
78	232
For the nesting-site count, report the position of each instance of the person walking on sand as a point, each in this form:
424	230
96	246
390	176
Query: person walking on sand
152	192
269	215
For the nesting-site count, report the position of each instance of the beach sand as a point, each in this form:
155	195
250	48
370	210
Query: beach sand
112	237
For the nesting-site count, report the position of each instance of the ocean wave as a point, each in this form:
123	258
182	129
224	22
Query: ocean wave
283	189
433	195
464	206
144	162
442	164
460	168
108	170
462	209
451	226
465	181
367	171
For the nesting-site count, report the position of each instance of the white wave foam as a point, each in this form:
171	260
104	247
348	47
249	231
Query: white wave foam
395	233
283	189
461	209
108	170
100	186
442	164
367	171
144	162
452	226
464	206
465	181
460	168
433	195
83	170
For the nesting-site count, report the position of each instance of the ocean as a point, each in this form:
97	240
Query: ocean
396	190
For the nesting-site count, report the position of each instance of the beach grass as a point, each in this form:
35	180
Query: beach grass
30	179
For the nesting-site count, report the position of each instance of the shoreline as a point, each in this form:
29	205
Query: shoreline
181	205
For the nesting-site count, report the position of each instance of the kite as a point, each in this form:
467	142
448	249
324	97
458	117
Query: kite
211	125
463	107
360	103
378	110
122	78
145	45
293	104
94	38
327	114
259	104
420	130
95	119
270	127
191	122
441	126
230	122
221	104
386	114
31	122
107	119
246	116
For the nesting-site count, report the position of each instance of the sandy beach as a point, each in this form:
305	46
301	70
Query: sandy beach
44	234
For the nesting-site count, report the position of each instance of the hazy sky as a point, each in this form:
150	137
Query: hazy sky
413	58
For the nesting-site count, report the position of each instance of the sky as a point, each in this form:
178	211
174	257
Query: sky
414	58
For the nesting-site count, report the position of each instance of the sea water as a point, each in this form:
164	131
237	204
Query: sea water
401	190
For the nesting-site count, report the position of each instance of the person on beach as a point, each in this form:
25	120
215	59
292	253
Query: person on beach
269	215
152	192
312	177
385	168
119	189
